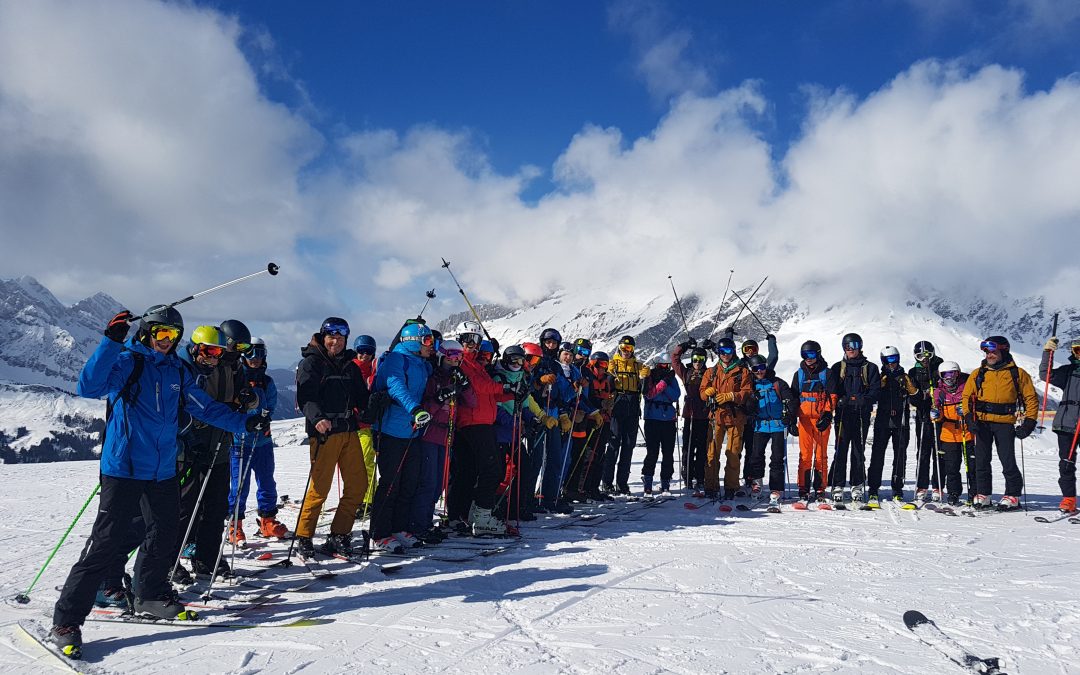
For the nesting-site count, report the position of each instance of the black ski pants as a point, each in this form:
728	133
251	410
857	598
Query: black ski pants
853	425
476	469
399	462
926	443
886	430
120	501
533	465
579	457
624	431
695	443
209	515
1002	434
777	457
952	463
659	440
1066	464
594	459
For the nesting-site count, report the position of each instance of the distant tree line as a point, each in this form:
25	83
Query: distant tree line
79	440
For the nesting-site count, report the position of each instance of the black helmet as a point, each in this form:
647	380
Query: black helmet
724	343
698	351
853	339
810	346
922	347
584	346
627	340
235	333
599	356
755	360
566	347
160	315
550	334
999	342
513	352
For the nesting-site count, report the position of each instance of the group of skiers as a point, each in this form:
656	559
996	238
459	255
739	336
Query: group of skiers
501	436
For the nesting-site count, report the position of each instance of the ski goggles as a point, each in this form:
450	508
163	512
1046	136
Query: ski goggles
760	368
749	350
213	351
602	365
950	375
582	350
894	358
627	347
662	366
241	347
725	350
989	346
922	356
697	359
1076	350
470	339
809	354
852	345
336	329
256	352
164	332
425	340
515	361
365	351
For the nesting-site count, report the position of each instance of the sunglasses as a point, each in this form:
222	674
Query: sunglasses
213	351
852	346
163	332
759	369
989	346
809	354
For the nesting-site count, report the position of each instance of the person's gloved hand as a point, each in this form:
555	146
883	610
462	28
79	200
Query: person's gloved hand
260	422
247	398
793	429
564	423
459	378
1025	428
420	417
935	414
960	409
444	394
824	421
660	386
596	417
547	379
579	417
724	397
1051	345
643	372
548	421
708	345
118	327
709	392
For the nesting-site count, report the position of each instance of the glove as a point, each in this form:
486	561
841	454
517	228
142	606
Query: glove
660	386
118	327
444	394
935	414
420	417
643	372
1025	428
960	409
257	422
565	423
793	429
730	329
548	421
708	345
247	398
709	392
596	417
772	338
724	397
579	417
1050	346
459	378
824	421
547	379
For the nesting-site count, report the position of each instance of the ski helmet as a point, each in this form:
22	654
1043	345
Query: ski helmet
236	334
414	336
852	341
995	343
810	350
566	347
451	349
627	341
661	360
725	345
160	315
513	356
749	344
550	334
532	349
924	349
949	371
207	335
257	351
601	357
469	332
582	347
486	347
889	355
756	363
364	344
334	325
698	354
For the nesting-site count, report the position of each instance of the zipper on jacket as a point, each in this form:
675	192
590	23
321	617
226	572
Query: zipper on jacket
157	386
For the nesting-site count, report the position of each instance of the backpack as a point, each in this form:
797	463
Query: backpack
1019	405
865	368
128	392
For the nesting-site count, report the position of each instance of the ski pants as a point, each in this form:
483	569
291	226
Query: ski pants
367	446
733	434
532	465
522	491
777	459
432	457
952	462
399	472
1002	434
476	470
260	461
883	433
659	438
620	452
851	437
813	455
208	515
695	441
556	464
594	459
580	449
926	443
1066	464
338	451
120	501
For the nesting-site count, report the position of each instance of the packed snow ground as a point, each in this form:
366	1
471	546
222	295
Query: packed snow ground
677	591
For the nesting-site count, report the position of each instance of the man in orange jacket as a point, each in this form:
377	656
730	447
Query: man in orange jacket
727	386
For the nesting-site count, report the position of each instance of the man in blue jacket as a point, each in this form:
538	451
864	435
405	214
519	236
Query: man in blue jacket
146	385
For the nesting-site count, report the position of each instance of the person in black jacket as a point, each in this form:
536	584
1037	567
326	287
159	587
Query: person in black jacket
1066	378
857	385
331	392
924	375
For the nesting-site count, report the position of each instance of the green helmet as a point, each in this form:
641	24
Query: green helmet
207	335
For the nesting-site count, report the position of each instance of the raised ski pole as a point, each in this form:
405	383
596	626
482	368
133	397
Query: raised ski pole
24	597
736	294
446	264
746	306
1046	389
678	304
271	269
723	301
430	296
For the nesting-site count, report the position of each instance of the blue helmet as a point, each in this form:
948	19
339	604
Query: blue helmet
364	344
415	335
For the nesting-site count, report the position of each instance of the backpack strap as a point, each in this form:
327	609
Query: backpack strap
128	392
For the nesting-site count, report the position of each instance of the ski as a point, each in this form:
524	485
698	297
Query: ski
943	510
51	657
1074	521
1063	516
930	634
315	567
226	620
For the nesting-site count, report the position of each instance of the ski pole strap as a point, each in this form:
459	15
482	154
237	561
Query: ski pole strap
60	543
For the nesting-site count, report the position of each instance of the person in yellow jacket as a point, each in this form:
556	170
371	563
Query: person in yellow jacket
626	411
727	385
997	395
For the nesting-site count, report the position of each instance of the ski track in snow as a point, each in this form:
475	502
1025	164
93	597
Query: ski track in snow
670	590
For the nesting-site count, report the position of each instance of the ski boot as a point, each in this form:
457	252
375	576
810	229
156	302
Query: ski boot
982	502
305	547
407	540
1067	505
755	488
646	482
838	496
935	495
872	502
340	544
166	607
68	639
856	494
387	545
1008	503
181	577
272	528
189	552
202	570
236	534
774	503
110	597
921	496
484	522
665	487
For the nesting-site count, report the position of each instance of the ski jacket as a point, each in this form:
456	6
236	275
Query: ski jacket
627	374
200	443
574	398
816	389
440	380
1067	379
404	377
733	379
953	427
661	394
601	390
896	388
504	416
926	377
774	405
329	388
482	395
1000	394
263	385
693	406
858	383
140	434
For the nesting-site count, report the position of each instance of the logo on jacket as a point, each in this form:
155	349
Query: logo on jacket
175	387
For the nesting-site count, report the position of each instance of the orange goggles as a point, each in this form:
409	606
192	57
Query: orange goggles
213	351
163	332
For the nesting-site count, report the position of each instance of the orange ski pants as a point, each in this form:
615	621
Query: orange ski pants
813	453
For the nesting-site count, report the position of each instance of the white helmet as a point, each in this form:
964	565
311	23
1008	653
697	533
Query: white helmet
948	367
890	355
469	328
659	360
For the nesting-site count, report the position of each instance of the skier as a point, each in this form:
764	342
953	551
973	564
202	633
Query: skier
329	390
365	346
727	386
537	430
661	389
557	396
588	418
1067	379
857	385
816	388
775	412
998	394
749	348
258	459
957	446
891	423
601	393
695	430
582	351
204	451
441	399
146	385
925	376
571	402
626	412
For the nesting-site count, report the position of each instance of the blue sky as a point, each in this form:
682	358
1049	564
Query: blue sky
150	149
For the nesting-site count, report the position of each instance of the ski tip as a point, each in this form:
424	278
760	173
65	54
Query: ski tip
725	508
913	618
690	505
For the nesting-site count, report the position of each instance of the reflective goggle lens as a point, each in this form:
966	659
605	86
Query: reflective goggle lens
582	350
163	332
989	346
749	351
213	351
697	359
256	352
725	350
602	365
469	339
365	351
1076	350
922	356
626	347
809	354
759	368
337	329
516	361
852	345
892	359
427	340
241	346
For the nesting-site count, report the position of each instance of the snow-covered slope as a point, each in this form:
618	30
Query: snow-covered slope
43	424
670	590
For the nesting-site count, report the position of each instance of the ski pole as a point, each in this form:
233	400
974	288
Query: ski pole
271	269
723	301
240	480
569	444
446	264
745	306
430	296
195	510
736	294
317	441
24	597
678	304
1046	389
